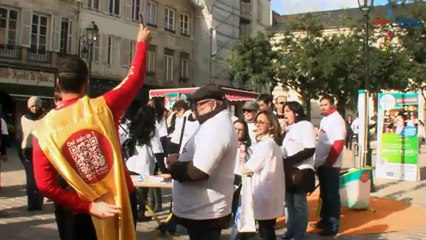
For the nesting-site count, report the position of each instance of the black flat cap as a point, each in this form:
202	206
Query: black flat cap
208	92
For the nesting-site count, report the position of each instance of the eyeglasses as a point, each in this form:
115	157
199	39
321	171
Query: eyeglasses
246	110
261	122
202	102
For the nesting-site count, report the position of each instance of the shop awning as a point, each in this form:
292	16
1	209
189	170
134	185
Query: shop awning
231	94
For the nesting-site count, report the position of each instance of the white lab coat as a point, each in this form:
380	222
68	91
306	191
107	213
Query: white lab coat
268	183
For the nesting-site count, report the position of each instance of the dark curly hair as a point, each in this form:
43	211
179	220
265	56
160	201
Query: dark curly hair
142	126
158	109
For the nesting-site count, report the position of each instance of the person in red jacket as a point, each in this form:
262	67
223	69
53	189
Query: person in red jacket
73	214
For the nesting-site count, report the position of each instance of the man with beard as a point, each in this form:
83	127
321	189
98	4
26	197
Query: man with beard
28	123
328	161
203	173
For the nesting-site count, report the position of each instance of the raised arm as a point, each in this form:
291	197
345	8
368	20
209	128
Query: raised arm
120	97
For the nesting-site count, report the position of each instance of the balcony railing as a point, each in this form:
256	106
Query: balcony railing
10	51
39	57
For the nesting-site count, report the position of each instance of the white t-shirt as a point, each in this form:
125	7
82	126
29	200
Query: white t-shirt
159	132
190	128
268	183
299	136
213	150
142	162
332	128
3	129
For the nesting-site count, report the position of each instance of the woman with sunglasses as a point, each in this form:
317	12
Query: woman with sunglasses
266	167
298	148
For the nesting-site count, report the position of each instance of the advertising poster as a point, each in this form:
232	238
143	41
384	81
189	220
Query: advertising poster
398	140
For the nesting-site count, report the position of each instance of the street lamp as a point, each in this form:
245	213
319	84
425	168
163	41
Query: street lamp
212	31
365	6
89	39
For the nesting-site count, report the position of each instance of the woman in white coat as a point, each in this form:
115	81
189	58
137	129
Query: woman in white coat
266	167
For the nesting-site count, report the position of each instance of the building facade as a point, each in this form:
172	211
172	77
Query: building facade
170	53
192	40
33	35
218	26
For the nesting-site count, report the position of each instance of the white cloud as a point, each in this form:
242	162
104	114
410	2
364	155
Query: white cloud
302	6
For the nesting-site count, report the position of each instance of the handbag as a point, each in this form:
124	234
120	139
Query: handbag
244	218
302	180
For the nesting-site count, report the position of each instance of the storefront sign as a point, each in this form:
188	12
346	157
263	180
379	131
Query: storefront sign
26	77
397	136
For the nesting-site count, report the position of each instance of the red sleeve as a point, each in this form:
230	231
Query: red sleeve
120	97
46	179
335	151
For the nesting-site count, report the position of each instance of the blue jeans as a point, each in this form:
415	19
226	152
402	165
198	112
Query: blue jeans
296	215
329	192
213	234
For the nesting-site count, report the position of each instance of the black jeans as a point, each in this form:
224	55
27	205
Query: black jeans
35	199
266	229
74	226
329	192
80	226
208	229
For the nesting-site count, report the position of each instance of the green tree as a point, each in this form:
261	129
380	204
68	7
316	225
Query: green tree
298	63
342	69
413	48
252	61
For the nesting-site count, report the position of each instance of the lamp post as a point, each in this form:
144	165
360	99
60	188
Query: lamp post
212	30
365	6
89	39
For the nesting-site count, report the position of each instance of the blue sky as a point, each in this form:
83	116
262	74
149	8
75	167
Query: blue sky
301	6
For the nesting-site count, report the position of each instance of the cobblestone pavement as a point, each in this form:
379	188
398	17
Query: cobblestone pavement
20	224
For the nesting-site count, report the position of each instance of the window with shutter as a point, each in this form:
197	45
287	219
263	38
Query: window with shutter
169	19
109	50
136	8
169	67
114	7
64	25
115	50
168	60
151	62
184	24
97	50
104	44
8	26
132	45
104	6
39	30
128	9
152	13
184	63
26	18
93	4
124	52
72	43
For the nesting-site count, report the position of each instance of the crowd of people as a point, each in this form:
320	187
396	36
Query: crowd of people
81	155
